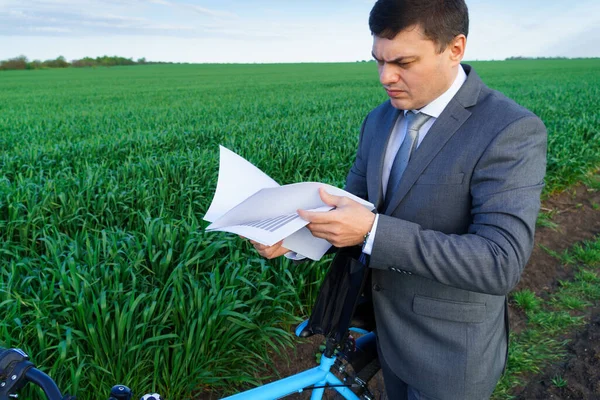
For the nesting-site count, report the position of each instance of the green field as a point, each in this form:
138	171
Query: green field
106	274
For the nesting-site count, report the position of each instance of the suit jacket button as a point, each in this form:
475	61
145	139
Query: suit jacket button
376	287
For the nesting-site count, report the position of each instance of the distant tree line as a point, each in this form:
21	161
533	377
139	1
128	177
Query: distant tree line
536	58
21	62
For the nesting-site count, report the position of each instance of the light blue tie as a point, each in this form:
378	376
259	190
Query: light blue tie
414	122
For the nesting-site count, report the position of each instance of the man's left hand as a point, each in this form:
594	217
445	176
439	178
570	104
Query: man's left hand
270	252
345	225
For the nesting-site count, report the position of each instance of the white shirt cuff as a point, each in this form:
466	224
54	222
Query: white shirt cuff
368	247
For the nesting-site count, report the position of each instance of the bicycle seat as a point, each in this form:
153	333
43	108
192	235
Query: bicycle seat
303	331
363	319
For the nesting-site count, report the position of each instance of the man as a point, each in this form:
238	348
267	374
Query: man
455	226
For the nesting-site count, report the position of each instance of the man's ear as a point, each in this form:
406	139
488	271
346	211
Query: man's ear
457	48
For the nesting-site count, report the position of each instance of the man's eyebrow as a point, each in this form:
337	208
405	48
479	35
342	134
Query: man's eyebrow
395	60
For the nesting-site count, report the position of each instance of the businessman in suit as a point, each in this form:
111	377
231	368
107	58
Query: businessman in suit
456	171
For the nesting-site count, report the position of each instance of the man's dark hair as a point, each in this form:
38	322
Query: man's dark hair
441	20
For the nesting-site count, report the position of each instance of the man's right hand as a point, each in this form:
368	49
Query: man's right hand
270	252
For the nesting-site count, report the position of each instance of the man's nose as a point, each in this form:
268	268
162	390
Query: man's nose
388	74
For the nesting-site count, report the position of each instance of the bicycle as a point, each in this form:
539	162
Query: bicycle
361	354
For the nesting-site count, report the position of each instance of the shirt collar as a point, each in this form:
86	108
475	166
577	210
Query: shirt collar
436	107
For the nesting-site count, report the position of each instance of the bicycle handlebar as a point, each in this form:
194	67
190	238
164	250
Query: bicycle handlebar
48	385
16	371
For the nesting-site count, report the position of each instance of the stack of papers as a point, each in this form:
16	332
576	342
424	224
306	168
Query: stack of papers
251	204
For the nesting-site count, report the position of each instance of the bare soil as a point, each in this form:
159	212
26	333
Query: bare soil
578	218
580	372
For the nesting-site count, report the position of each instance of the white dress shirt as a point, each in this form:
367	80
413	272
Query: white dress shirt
433	109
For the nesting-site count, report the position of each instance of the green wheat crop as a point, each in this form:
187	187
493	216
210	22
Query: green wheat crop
106	273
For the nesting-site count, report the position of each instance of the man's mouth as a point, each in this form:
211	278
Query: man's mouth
394	92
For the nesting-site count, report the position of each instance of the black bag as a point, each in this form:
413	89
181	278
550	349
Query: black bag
345	289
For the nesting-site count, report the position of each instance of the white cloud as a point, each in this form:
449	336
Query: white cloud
50	29
581	44
198	9
114	17
212	13
241	33
499	31
106	17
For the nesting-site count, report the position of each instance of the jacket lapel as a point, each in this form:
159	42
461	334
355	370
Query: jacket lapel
383	131
449	121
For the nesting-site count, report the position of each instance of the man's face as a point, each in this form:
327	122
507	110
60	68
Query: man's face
411	69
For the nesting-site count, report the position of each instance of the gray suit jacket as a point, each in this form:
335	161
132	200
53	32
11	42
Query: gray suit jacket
454	239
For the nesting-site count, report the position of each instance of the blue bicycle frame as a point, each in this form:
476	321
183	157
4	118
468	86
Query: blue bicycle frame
321	377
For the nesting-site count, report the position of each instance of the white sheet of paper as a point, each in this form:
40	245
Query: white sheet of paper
304	243
238	180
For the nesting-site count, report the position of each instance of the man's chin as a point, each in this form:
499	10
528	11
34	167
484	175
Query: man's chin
406	104
401	104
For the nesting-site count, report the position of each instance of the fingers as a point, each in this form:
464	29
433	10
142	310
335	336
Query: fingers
322	230
329	199
262	247
325	217
318	217
269	252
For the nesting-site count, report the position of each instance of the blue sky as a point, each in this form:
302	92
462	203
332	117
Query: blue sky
275	31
